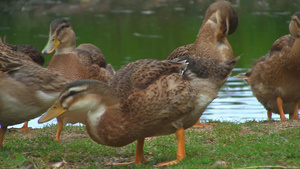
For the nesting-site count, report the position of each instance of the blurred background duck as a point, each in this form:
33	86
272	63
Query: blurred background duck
84	62
275	77
220	21
27	90
145	98
23	51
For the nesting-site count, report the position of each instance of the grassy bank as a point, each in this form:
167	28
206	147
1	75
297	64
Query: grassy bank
246	145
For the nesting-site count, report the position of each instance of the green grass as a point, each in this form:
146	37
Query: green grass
246	145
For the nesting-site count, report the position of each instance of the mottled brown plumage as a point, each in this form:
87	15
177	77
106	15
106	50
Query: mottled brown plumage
27	90
145	98
26	52
23	51
90	54
285	41
84	62
275	77
220	21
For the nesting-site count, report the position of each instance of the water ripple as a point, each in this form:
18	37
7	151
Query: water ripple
236	103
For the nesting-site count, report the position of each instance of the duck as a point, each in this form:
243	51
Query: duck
145	98
220	21
27	90
274	77
83	62
23	51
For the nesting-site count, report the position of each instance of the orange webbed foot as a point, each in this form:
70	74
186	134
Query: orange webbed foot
205	125
173	162
180	150
139	155
24	127
295	116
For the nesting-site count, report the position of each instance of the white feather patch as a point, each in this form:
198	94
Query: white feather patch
47	97
94	118
212	23
79	88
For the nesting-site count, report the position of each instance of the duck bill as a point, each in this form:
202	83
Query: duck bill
51	45
54	111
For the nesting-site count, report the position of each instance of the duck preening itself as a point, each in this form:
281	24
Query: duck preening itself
220	21
275	77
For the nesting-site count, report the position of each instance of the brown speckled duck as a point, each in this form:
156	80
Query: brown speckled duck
220	21
145	98
23	51
27	90
84	62
275	77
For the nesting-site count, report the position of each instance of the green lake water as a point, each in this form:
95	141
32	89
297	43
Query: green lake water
127	30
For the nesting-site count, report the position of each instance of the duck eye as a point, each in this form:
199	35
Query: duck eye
72	92
52	39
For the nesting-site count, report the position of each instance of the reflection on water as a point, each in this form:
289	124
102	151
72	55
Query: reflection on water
236	103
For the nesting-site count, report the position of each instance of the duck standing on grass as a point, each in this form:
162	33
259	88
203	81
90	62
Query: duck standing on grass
220	21
145	98
275	77
23	51
84	62
27	90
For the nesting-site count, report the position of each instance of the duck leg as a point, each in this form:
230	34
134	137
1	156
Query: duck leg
139	152
2	133
180	149
139	155
295	114
199	124
59	129
269	114
24	127
279	104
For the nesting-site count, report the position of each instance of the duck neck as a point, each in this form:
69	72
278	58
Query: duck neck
67	45
295	51
206	34
207	42
63	50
